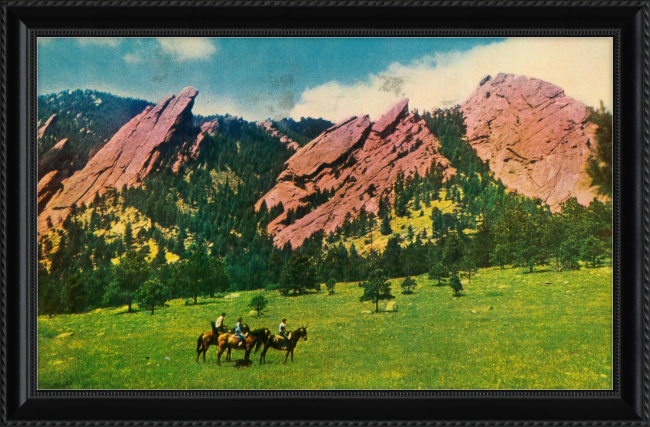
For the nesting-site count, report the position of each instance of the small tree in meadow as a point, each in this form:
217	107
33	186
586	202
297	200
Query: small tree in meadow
258	303
408	285
456	285
468	266
330	284
152	294
438	272
376	289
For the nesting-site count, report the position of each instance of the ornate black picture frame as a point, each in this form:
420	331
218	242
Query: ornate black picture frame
628	22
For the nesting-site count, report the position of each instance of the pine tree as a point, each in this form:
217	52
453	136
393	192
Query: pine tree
408	285
128	236
456	285
386	229
298	275
438	272
152	294
129	275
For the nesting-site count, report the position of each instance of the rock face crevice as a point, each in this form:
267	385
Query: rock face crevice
536	139
356	162
133	152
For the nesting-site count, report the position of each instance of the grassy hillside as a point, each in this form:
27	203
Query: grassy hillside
419	221
510	330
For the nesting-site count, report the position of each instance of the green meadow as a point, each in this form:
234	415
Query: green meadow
509	330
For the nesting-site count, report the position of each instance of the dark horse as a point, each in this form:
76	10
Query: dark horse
207	339
276	342
254	339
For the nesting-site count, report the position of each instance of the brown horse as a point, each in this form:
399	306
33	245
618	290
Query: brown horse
206	340
277	343
254	339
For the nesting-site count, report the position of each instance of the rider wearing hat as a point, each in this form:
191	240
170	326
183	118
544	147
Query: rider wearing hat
283	331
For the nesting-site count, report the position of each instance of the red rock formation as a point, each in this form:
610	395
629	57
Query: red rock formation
191	151
132	153
47	187
356	160
537	140
43	129
54	158
269	127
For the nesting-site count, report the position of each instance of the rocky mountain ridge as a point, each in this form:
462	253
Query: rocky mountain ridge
355	163
133	152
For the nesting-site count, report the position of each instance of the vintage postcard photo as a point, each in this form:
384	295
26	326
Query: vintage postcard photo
325	213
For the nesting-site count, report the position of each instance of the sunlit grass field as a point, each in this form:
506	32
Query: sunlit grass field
509	330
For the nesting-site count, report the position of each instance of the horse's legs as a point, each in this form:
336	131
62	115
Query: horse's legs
292	355
247	354
221	350
228	354
286	357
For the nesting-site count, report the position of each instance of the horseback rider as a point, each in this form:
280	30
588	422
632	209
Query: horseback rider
283	331
221	327
239	332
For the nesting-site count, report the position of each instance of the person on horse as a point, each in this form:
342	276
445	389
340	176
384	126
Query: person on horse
283	331
221	327
238	332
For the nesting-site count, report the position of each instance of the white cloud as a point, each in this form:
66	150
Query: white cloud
99	41
132	58
187	48
583	67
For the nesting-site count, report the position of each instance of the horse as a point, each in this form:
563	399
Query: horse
275	342
206	340
254	339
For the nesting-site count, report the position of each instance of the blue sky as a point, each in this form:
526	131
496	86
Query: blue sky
278	77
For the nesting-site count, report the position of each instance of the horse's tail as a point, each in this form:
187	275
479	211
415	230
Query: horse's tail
199	343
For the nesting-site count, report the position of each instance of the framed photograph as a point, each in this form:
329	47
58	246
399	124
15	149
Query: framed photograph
308	212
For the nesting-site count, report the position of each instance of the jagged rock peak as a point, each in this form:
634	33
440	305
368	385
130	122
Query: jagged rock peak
388	121
536	139
132	153
43	129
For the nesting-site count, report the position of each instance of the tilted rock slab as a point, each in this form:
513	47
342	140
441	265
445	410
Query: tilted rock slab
359	161
43	129
269	127
132	153
536	139
48	186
